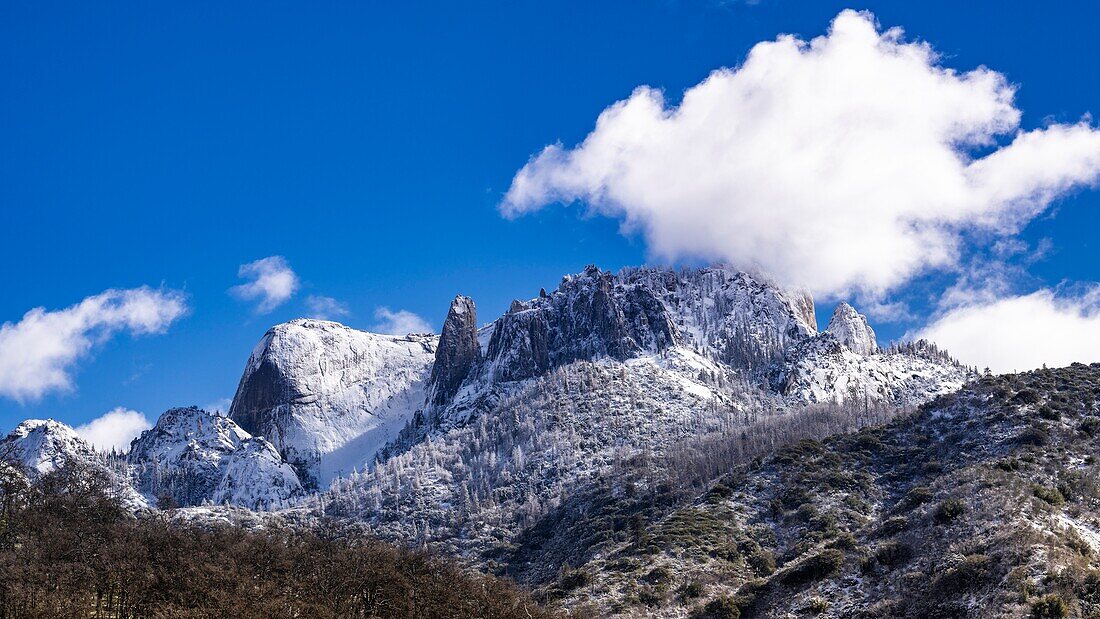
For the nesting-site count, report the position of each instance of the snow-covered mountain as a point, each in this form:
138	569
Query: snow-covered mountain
612	368
42	446
194	457
469	438
328	396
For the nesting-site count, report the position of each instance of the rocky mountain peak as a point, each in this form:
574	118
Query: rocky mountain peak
195	456
329	396
458	351
42	445
851	329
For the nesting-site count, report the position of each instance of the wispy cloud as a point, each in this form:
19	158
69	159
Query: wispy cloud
401	322
326	308
38	353
273	283
114	429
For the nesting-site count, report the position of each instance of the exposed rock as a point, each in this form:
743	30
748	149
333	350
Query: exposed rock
458	352
328	396
851	329
196	457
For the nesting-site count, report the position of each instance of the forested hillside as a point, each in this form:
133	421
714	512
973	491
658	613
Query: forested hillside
68	550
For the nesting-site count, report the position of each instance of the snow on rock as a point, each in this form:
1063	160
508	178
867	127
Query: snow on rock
42	446
823	369
328	396
851	329
197	457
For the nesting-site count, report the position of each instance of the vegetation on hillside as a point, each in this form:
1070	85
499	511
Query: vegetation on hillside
67	550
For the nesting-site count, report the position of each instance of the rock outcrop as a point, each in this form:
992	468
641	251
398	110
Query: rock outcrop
193	457
851	329
458	352
328	396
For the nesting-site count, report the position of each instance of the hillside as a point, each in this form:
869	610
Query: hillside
982	503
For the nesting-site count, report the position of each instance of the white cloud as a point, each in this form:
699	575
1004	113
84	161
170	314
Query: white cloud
220	405
273	283
401	322
326	308
38	352
1022	332
114	430
845	164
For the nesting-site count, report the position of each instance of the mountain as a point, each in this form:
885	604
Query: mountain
539	441
982	503
569	389
193	457
42	446
328	396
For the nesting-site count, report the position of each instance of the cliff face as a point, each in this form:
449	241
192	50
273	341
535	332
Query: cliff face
328	396
458	352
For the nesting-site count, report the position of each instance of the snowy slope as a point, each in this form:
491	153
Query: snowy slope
824	370
197	457
328	396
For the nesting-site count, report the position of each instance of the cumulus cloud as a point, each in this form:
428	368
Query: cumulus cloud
1022	332
326	308
401	322
37	354
273	283
114	430
846	164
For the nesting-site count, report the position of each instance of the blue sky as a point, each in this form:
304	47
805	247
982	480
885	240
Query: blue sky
371	144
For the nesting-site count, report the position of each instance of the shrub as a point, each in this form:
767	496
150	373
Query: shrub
1049	607
761	561
970	573
815	606
1050	495
1049	413
1090	425
893	554
1026	396
918	496
573	579
720	608
949	511
894	525
820	565
692	590
1033	436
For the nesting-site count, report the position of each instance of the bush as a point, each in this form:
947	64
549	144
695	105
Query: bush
692	590
893	554
720	608
894	525
824	563
971	573
1026	396
1050	495
762	562
1049	607
1033	436
1090	425
949	511
918	496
